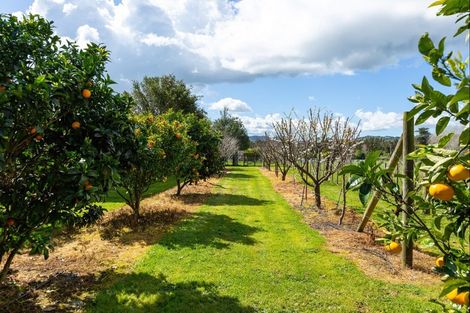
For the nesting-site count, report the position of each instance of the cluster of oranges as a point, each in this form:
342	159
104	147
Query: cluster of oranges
461	298
445	192
86	93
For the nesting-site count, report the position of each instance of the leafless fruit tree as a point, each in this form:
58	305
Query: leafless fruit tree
317	145
274	151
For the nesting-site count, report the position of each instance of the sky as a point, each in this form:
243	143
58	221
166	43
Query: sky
262	59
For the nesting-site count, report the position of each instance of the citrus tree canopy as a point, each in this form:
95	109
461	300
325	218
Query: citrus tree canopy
61	128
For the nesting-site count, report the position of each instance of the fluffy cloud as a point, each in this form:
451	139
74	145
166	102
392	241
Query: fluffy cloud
220	40
68	8
260	125
233	105
379	120
86	34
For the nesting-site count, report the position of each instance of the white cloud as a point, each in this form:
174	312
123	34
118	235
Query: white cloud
86	34
379	120
233	105
219	40
68	8
260	125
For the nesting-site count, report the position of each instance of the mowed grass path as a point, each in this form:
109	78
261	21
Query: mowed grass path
247	250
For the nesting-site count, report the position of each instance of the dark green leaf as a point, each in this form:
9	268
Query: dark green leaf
442	124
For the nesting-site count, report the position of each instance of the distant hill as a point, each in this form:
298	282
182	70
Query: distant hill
385	138
257	138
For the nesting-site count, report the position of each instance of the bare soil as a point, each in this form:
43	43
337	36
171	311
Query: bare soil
361	248
82	260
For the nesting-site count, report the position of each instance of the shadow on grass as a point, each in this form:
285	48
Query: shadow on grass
221	199
239	175
207	229
140	292
235	200
152	224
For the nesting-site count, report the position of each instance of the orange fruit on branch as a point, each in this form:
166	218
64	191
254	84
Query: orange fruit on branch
10	221
39	137
441	191
33	131
86	93
394	247
440	262
178	136
458	172
76	125
461	298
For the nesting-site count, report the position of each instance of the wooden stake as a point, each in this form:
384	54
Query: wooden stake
408	147
392	163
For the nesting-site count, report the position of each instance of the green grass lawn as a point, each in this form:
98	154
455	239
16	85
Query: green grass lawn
113	201
247	250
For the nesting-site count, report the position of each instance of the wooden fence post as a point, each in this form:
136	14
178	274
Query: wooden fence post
408	147
392	163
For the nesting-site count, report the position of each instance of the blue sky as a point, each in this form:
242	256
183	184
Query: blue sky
263	58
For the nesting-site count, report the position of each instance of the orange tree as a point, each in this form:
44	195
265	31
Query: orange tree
158	146
61	127
443	173
196	152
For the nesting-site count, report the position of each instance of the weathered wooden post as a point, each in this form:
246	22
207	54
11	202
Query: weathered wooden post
408	147
392	163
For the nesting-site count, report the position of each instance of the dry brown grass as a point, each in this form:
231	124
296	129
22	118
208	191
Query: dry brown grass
82	259
361	248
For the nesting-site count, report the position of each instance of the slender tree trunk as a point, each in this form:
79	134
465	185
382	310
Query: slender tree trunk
6	266
284	174
317	196
343	192
179	187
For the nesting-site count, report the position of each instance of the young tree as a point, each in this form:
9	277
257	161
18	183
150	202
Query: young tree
423	136
198	157
61	126
274	151
317	146
228	146
233	127
145	161
157	95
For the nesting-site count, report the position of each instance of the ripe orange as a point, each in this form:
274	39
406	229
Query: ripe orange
76	125
394	247
440	262
458	172
10	221
178	136
441	191
39	137
87	185
33	131
461	298
86	93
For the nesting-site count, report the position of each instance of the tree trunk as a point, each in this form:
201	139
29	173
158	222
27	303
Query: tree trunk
6	266
136	207
284	176
179	187
317	196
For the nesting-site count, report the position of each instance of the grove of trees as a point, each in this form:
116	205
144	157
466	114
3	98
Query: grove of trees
67	138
